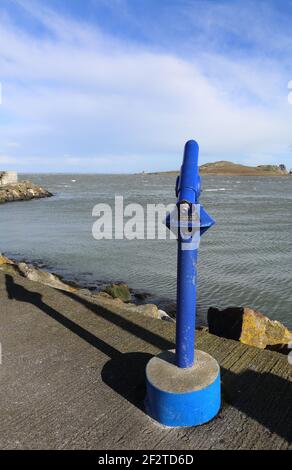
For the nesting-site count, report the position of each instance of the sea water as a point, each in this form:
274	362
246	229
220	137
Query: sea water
245	259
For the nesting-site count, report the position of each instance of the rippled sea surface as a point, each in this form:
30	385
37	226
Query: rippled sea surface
246	259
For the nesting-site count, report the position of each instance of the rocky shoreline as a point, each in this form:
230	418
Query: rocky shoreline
22	191
114	295
242	324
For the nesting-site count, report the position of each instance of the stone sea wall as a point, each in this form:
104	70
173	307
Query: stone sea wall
22	191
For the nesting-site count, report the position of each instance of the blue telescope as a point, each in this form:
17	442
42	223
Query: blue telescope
188	184
183	386
192	221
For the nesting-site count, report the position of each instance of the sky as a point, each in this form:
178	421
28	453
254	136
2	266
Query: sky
118	86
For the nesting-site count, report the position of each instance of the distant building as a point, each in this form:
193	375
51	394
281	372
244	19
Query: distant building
8	177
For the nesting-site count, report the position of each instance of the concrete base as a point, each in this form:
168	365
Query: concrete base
182	397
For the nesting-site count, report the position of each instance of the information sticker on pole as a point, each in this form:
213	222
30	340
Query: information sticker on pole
183	386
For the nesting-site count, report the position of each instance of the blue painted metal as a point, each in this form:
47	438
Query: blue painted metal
184	409
195	407
189	182
188	188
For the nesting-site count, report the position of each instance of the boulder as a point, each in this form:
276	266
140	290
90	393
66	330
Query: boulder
43	277
119	291
150	310
4	260
249	327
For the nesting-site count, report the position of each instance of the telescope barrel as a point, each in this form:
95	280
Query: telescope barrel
189	181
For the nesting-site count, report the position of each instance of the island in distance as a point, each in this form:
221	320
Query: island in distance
224	168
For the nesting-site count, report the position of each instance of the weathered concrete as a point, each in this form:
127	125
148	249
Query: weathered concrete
73	376
163	373
8	177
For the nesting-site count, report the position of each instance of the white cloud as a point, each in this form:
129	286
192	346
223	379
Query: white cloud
24	163
7	160
12	145
83	93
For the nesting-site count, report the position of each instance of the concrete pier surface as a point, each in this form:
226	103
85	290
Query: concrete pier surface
73	377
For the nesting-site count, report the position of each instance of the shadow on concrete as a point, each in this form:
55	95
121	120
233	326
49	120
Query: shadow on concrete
18	292
125	374
265	397
127	325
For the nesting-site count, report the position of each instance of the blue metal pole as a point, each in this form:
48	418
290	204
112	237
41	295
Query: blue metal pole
188	188
177	393
188	191
186	306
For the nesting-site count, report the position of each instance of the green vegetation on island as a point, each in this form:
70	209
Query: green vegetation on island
225	168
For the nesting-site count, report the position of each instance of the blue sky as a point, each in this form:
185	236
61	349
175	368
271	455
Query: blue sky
120	85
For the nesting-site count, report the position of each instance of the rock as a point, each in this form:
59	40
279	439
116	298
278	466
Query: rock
162	315
25	190
102	294
141	295
43	277
249	327
150	310
258	330
84	291
119	291
4	260
7	265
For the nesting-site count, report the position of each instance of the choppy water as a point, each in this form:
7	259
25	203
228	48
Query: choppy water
246	259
